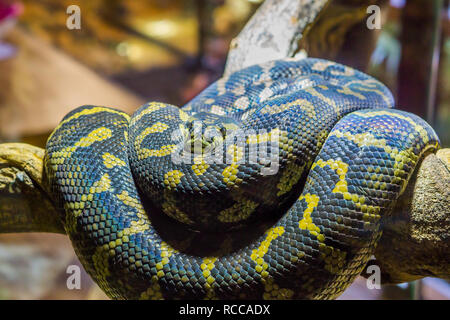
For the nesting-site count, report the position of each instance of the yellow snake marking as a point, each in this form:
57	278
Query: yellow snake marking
306	223
100	258
348	91
239	211
88	112
362	139
400	157
258	254
341	169
104	184
239	90
154	291
76	207
230	126
200	166
229	174
141	225
371	213
157	127
272	290
265	93
164	151
308	107
145	152
98	134
231	171
183	115
420	129
323	65
218	110
110	161
173	178
321	137
136	227
370	89
304	105
366	139
266	136
289	178
242	103
333	257
207	266
209	101
324	98
166	252
150	108
132	202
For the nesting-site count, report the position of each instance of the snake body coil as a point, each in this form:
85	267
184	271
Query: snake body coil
315	162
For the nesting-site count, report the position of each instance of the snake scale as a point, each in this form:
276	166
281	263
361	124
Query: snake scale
273	183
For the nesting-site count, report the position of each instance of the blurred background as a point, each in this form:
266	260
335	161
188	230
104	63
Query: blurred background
128	52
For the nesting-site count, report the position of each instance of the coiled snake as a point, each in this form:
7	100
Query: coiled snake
272	183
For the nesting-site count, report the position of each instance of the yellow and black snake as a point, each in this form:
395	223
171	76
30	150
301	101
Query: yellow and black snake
273	183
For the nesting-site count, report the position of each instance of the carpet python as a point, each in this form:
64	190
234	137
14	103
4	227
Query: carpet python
273	183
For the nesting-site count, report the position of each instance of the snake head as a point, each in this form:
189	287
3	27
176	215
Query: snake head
206	132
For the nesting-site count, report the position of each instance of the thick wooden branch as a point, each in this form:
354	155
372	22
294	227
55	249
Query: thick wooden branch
416	238
273	32
24	202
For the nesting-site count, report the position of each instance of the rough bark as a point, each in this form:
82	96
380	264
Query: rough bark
416	238
24	202
341	34
273	32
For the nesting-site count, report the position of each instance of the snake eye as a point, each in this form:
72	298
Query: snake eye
206	132
199	137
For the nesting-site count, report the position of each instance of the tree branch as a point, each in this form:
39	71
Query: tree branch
24	201
273	32
416	238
